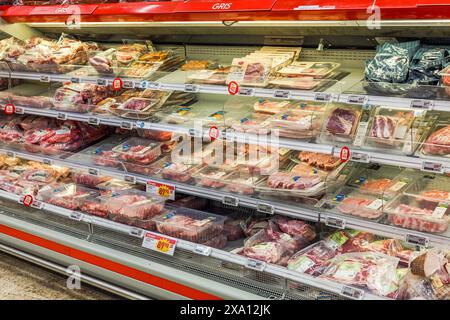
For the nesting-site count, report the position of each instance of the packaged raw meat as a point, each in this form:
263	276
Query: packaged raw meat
69	196
309	69
295	228
372	271
429	189
80	97
319	160
414	213
438	143
155	134
133	203
192	65
218	242
254	123
191	202
215	76
270	106
293	181
392	128
254	224
232	228
298	83
349	201
177	171
341	123
250	71
210	177
87	179
93	204
312	260
140	108
241	182
111	186
191	225
299	122
138	151
104	155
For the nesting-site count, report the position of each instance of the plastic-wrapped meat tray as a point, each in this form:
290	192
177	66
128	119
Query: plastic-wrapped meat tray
88	180
313	259
191	225
210	177
70	196
133	204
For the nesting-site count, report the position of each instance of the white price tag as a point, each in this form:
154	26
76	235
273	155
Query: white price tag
417	240
282	94
94	121
230	201
422	104
357	99
19	110
47	161
61	116
159	243
10	154
360	157
195	133
93	171
37	204
265	208
249	92
255	264
323	97
202	250
352	293
360	134
75	80
76	216
44	79
230	135
127	125
128	84
102	82
430	166
154	85
191	87
335	222
135	232
129	178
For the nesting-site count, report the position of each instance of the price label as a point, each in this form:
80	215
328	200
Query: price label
47	161
360	157
20	110
422	104
135	232
230	201
230	135
61	116
352	293
233	88
154	85
44	79
11	154
417	240
130	179
128	84
93	171
9	109
75	80
360	133
127	125
430	166
36	204
265	208
214	133
282	94
202	250
255	264
249	92
94	121
323	97
162	190
159	243
102	82
344	155
195	133
117	84
143	84
357	99
191	87
76	216
335	222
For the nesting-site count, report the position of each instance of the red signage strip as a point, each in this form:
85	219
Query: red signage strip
109	265
224	6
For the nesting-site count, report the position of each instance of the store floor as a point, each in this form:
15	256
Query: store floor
21	280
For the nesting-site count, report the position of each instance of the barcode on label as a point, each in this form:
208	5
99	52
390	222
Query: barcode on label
93	171
360	157
321	96
126	125
417	240
335	222
246	92
203	250
256	265
61	116
102	82
37	204
47	161
128	84
422	104
75	80
94	121
352	293
45	79
265	208
431	166
130	179
135	232
356	99
19	110
230	201
282	94
75	216
191	88
195	133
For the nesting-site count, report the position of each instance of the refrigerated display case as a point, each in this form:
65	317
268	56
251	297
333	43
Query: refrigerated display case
180	150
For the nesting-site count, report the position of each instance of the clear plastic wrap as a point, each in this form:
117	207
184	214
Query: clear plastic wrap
340	124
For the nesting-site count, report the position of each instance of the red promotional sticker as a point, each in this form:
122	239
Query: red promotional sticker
233	88
117	84
344	154
10	109
214	133
28	200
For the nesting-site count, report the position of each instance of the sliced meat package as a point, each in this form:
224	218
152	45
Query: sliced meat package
312	260
341	123
438	143
133	204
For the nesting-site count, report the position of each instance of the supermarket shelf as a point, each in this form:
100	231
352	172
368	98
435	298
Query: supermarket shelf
410	236
264	206
206	251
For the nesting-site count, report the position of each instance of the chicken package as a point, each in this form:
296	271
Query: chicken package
438	143
191	225
419	214
69	196
87	179
132	204
372	271
341	123
391	247
312	260
80	97
210	177
302	121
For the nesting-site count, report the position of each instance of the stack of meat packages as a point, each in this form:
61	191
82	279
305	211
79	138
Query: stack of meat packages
47	135
45	55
